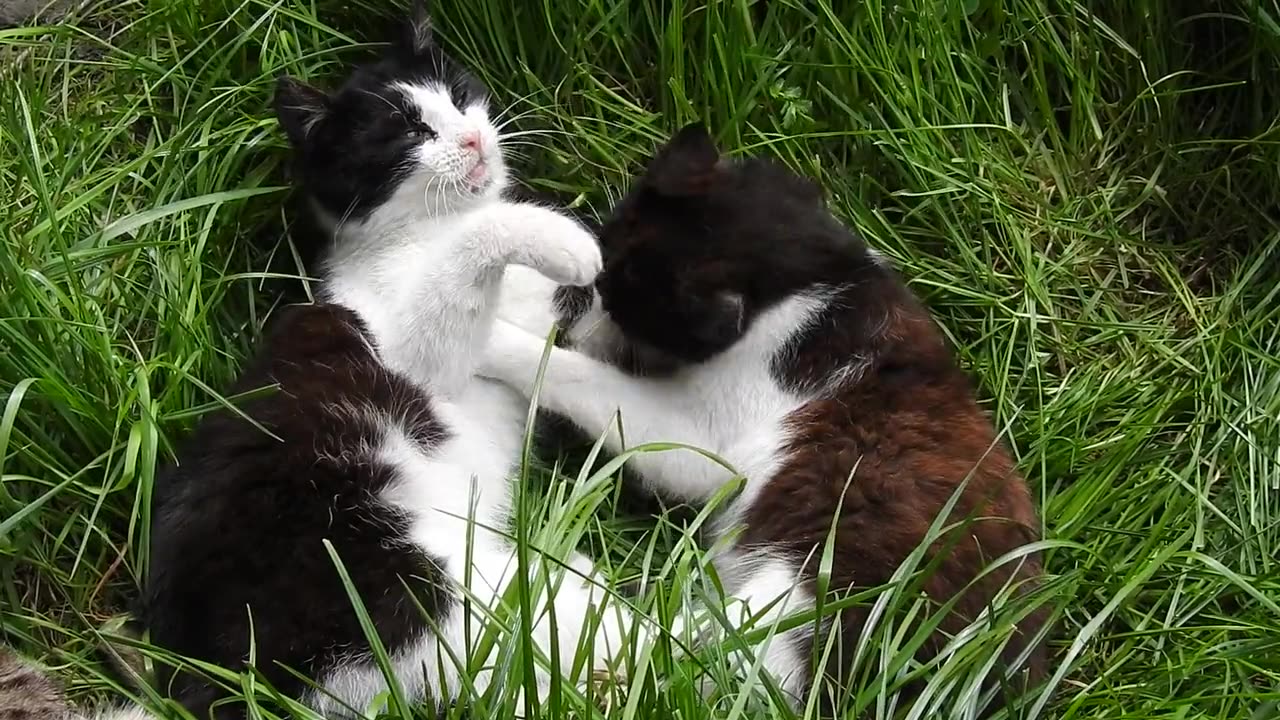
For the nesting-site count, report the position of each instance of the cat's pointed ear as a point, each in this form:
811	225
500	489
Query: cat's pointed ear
733	307
299	107
689	164
417	32
723	322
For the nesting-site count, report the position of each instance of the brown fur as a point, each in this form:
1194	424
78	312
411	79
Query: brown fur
702	246
911	434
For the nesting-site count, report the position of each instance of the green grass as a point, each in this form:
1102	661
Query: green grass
1087	194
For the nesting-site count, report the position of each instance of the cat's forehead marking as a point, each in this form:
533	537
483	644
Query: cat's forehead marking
434	101
431	100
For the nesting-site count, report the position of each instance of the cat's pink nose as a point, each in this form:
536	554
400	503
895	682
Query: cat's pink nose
470	140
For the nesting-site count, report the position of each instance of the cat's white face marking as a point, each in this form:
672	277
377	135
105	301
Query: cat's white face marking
459	160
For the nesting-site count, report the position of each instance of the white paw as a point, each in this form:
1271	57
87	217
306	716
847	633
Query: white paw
573	258
558	247
511	356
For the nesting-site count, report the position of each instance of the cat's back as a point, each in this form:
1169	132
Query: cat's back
894	436
243	523
303	415
893	405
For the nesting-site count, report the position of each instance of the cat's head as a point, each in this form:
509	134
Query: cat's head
703	244
411	129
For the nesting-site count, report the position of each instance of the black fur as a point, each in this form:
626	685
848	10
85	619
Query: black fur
570	304
237	553
238	560
696	251
351	147
684	249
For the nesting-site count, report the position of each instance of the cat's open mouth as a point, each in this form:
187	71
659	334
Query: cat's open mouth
479	178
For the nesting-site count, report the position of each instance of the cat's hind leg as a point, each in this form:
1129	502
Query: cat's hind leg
763	597
579	627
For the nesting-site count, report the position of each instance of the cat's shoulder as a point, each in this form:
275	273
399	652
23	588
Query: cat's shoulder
315	395
890	401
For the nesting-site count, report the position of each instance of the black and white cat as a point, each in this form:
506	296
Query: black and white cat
379	439
737	315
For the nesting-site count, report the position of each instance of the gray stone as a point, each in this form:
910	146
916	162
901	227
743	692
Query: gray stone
34	12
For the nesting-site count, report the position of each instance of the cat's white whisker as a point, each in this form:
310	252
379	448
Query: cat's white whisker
504	117
395	111
519	147
514	119
539	132
524	143
518	155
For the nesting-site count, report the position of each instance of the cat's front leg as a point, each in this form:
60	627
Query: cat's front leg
553	244
435	334
604	401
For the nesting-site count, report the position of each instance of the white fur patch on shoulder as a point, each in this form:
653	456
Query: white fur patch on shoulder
779	325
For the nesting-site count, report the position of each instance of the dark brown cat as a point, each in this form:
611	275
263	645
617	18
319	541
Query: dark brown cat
802	359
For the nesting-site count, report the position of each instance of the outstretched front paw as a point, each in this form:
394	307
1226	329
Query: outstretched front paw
558	247
511	356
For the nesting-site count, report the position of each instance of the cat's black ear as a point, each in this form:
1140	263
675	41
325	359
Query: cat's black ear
733	307
299	107
417	33
722	322
689	164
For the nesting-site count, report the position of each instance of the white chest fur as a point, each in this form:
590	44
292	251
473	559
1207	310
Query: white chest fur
424	302
462	488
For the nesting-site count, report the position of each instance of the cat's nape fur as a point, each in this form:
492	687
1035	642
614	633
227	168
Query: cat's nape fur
791	350
378	439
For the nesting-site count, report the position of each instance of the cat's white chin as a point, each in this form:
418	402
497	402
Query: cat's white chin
486	179
462	195
477	186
